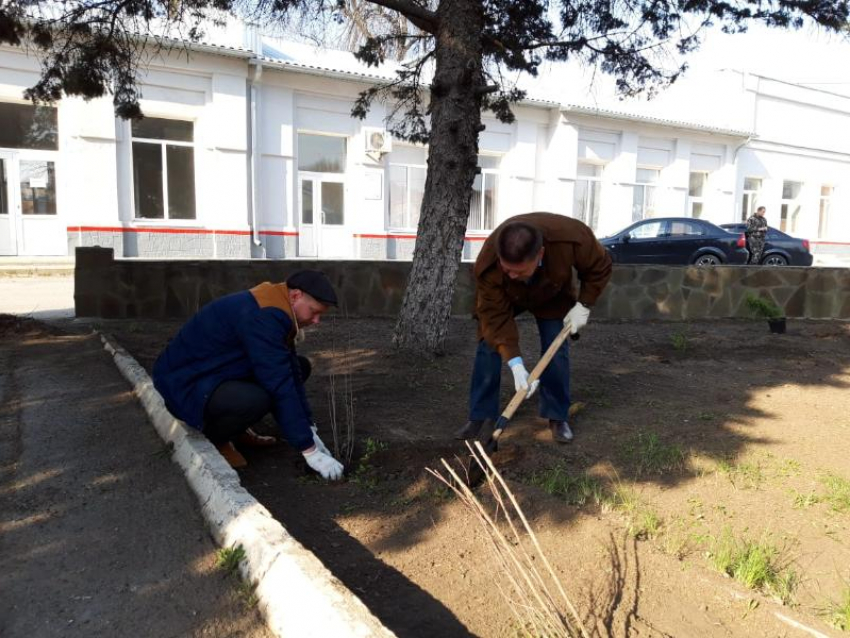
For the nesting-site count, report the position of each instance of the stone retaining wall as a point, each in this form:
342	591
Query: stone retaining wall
109	288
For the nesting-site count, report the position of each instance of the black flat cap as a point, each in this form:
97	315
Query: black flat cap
315	283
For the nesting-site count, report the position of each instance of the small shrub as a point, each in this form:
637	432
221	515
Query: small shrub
761	307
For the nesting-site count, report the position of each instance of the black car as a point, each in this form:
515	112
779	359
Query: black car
779	249
674	241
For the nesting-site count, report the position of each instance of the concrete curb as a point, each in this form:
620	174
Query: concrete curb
298	596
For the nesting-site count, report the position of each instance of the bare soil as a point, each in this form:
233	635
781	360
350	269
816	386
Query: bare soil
706	430
99	533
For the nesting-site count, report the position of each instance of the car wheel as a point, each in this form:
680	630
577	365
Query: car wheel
774	260
707	260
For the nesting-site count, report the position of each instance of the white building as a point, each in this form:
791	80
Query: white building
250	151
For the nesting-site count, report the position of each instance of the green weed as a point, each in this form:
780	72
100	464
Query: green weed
838	613
679	341
837	492
803	501
677	538
753	564
649	455
575	490
247	594
747	475
228	558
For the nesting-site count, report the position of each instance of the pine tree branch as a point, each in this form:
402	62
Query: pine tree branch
419	16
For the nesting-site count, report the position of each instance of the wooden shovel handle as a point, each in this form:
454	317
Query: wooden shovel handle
519	397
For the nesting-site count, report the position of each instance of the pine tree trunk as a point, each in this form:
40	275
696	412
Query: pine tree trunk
452	160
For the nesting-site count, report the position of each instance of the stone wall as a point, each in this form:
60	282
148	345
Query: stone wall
109	288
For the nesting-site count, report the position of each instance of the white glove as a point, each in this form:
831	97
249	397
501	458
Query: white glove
521	377
320	445
324	464
577	317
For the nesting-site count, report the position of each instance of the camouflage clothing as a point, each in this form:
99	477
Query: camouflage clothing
755	233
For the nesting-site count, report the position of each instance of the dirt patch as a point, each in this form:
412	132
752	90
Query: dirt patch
99	533
698	441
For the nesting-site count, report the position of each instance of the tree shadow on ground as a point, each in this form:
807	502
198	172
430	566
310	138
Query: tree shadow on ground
701	387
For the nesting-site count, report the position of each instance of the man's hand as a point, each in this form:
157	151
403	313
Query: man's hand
521	377
577	317
324	464
320	445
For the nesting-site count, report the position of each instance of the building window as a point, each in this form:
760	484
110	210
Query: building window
749	202
697	188
588	194
163	168
643	199
28	126
790	210
823	210
321	153
485	195
323	191
38	187
407	186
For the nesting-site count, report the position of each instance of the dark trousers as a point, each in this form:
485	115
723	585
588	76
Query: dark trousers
236	405
755	245
554	390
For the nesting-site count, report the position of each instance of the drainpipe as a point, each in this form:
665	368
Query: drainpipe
255	67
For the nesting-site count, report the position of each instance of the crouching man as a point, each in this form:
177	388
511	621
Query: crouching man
235	361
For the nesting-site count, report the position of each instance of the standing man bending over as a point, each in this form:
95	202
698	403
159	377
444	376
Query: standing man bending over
235	361
527	264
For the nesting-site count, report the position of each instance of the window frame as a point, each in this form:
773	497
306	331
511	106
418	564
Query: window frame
648	188
493	173
823	213
750	198
163	143
787	216
702	197
594	186
407	165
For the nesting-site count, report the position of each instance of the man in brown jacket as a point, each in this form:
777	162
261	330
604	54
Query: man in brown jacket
527	264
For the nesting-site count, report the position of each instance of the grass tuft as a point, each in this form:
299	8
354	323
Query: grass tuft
575	490
838	612
756	565
837	492
649	455
746	475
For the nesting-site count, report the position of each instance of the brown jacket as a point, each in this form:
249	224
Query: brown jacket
549	294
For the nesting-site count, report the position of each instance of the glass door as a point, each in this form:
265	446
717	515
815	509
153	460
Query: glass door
9	205
322	232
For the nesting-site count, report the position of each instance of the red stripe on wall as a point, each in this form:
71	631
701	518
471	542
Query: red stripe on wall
829	243
376	236
174	231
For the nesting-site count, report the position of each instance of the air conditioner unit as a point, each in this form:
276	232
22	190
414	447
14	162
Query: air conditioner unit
377	140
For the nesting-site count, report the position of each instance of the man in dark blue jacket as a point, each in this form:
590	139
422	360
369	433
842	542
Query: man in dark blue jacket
235	361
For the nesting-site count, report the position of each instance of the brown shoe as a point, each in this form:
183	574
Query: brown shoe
232	455
252	439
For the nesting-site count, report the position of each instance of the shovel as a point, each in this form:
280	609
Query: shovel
490	440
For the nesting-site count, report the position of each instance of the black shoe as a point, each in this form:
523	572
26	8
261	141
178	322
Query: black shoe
561	431
471	430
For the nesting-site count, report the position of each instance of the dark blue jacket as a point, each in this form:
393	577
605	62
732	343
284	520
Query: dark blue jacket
248	335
